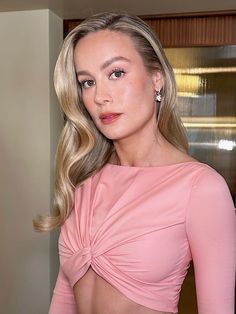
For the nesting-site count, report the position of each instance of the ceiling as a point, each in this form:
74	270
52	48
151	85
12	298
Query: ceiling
71	9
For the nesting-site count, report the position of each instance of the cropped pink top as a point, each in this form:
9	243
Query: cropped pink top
139	227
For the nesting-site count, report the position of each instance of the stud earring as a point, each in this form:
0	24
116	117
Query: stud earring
158	96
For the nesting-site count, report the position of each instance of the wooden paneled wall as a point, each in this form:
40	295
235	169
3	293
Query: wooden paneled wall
188	30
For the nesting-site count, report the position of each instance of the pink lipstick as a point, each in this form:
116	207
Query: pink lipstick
109	117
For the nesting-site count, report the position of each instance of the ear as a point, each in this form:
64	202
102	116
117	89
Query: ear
158	80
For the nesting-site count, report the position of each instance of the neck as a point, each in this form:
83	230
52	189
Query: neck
140	152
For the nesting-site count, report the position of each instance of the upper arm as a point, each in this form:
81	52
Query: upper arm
210	226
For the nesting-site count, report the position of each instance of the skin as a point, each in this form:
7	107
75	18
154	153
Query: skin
119	94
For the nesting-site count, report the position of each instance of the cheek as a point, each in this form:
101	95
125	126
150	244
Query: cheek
138	92
131	91
88	104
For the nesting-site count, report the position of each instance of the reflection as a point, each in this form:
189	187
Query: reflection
197	106
227	145
209	122
188	94
205	70
206	86
222	144
188	84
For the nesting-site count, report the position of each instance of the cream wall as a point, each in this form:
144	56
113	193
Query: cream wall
29	126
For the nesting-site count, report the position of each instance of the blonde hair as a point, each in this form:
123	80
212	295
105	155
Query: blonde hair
82	149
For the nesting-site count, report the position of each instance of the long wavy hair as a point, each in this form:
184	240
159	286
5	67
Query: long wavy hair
82	149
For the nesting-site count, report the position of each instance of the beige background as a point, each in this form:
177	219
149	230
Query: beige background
29	124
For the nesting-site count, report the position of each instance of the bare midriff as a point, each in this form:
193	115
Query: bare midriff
94	295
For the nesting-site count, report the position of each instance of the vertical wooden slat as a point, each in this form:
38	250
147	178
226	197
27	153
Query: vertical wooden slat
205	29
195	30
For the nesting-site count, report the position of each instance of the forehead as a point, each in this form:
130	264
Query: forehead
101	37
104	44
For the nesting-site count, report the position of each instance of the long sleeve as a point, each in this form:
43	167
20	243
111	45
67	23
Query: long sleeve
63	298
211	231
63	301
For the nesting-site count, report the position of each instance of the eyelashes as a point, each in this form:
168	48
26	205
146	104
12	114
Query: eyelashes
86	83
115	74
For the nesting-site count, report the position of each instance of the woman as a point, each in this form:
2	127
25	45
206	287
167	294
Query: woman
133	206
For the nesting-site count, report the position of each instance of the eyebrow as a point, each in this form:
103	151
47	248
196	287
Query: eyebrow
106	64
112	60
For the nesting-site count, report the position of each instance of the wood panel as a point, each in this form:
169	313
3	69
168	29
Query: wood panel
188	30
195	31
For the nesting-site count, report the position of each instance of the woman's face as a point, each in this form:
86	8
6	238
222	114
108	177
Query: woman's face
117	90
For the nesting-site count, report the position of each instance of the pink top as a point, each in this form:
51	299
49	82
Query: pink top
139	227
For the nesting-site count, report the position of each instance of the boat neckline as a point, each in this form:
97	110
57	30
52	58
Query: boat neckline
153	167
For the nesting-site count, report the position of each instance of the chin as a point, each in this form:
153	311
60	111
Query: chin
112	136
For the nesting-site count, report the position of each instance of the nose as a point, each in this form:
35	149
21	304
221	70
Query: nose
102	95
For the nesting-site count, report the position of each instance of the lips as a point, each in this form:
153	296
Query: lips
107	118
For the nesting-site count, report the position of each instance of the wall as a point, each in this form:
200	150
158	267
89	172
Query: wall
29	125
56	123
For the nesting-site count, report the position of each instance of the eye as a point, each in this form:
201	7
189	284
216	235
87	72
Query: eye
87	83
117	73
